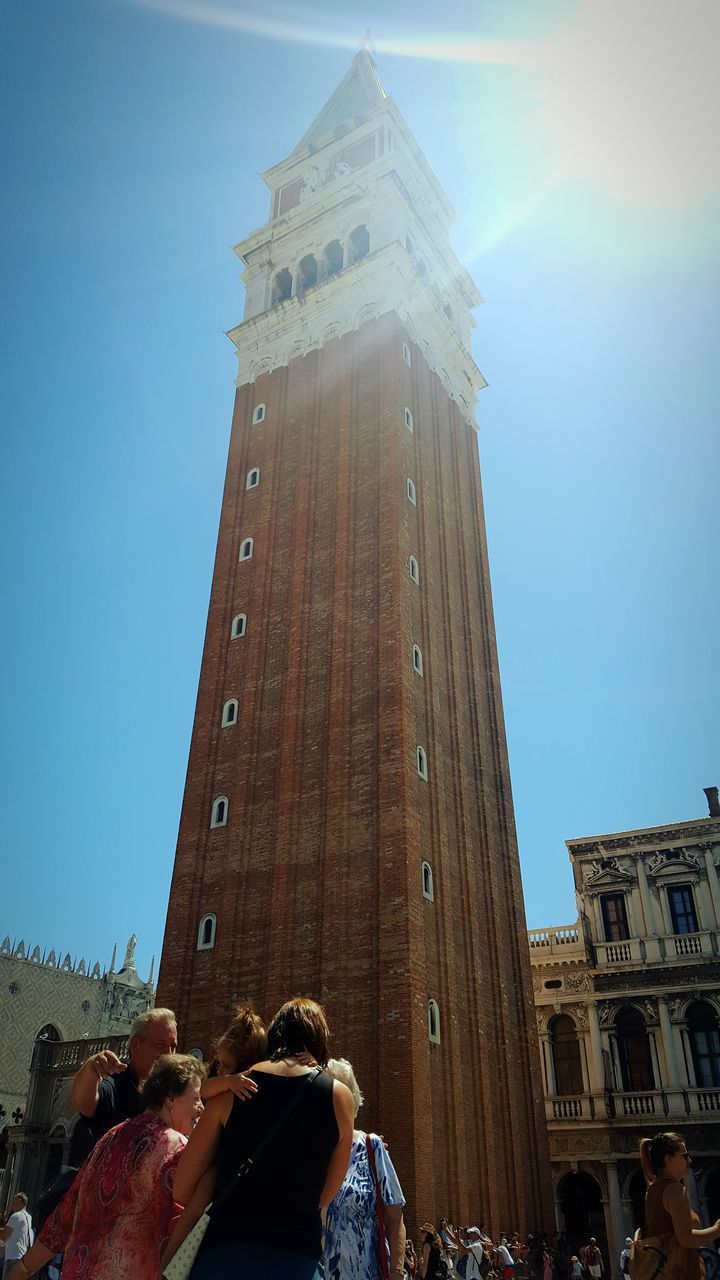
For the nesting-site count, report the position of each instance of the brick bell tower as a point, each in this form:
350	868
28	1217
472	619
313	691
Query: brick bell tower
347	827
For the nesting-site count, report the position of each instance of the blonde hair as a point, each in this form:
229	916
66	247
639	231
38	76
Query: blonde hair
245	1038
342	1070
655	1151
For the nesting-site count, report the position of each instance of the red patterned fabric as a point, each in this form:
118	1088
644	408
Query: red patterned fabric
116	1219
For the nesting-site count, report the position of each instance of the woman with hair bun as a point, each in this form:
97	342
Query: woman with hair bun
665	1161
241	1044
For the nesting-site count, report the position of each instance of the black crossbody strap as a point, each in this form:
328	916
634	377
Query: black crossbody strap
247	1165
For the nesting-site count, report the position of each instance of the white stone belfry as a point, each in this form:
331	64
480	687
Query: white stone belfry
358	227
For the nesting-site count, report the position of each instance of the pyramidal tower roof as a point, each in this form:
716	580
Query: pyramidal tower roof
357	96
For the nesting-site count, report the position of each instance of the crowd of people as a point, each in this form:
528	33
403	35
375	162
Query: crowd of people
257	1168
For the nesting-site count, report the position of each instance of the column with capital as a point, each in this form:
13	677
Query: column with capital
595	1060
712	879
652	945
677	1079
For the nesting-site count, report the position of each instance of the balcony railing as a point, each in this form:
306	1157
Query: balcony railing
558	939
689	944
704	1099
639	1104
614	953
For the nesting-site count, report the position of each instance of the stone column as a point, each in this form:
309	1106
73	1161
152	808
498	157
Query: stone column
676	1081
597	1074
655	1059
599	930
633	924
616	1235
712	879
646	899
548	1064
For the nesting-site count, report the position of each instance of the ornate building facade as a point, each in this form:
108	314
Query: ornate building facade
347	828
46	1001
628	1014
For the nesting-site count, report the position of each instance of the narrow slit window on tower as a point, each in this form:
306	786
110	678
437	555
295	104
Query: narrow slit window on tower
417	659
230	712
427	882
219	814
258	414
408	418
406	355
411	492
414	570
422	766
253	478
206	932
246	549
433	1015
239	626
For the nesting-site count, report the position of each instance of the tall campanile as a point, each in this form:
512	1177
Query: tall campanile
347	827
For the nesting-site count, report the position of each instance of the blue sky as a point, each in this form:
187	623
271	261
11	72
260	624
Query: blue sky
575	141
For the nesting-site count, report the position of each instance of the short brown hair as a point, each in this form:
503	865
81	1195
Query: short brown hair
300	1024
170	1077
245	1038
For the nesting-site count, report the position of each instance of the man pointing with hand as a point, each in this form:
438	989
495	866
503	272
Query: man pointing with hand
106	1091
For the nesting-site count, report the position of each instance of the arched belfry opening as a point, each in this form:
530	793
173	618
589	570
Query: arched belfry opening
282	287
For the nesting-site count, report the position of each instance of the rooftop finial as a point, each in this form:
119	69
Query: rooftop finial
367	43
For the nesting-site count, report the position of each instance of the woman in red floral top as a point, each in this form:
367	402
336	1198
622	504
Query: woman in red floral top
116	1219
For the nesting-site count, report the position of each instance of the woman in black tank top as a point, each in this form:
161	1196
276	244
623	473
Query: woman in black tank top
269	1224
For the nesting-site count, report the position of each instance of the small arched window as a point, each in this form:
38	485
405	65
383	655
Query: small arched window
206	932
282	287
334	258
307	273
417	659
702	1023
258	414
239	626
411	491
633	1045
230	712
422	766
219	814
406	355
252	479
246	549
48	1032
433	1015
408	419
566	1056
427	882
359	243
414	570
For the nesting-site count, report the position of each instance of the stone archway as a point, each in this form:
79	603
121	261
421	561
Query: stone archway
580	1198
636	1188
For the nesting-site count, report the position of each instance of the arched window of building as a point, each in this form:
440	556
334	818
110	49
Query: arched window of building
417	659
428	887
422	766
219	814
566	1056
246	549
408	419
258	414
702	1023
334	258
48	1032
614	917
406	355
206	932
252	479
433	1014
239	626
359	243
282	287
230	712
414	570
633	1045
411	491
307	273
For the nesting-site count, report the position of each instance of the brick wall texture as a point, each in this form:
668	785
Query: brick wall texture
316	878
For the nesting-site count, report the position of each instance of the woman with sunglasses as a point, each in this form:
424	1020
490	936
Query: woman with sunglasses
665	1161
